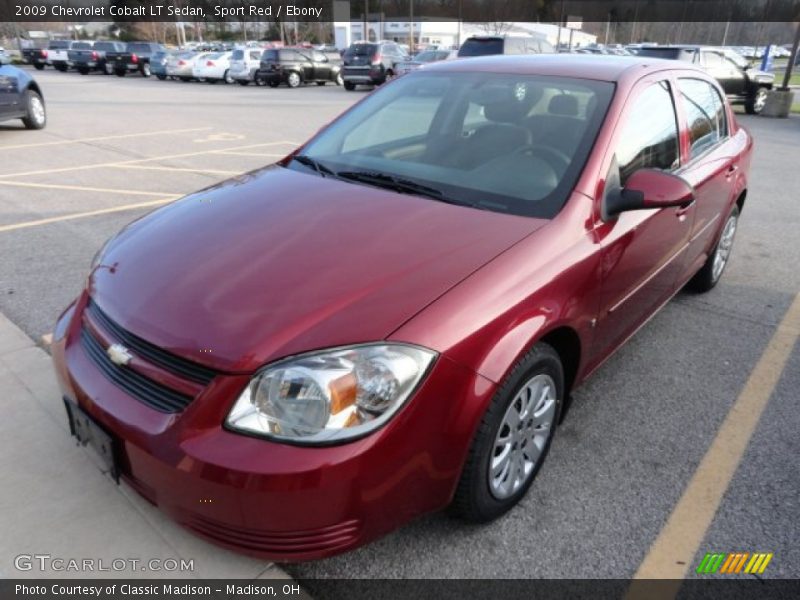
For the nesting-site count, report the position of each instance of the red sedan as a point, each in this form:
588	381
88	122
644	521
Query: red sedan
388	322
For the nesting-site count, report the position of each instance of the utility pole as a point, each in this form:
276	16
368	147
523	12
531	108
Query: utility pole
788	75
411	41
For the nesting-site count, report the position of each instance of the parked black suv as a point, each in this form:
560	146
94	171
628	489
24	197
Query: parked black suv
371	63
296	66
87	57
485	45
742	83
135	57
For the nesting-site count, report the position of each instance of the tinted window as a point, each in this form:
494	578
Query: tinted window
649	139
361	50
255	54
705	114
105	46
237	55
481	47
270	56
470	136
319	57
140	48
669	53
58	45
81	46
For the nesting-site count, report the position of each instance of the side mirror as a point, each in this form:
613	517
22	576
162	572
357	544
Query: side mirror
648	188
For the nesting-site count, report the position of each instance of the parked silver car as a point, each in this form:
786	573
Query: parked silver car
244	64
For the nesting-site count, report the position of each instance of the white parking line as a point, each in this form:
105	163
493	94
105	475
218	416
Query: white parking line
103	138
80	188
201	171
91	213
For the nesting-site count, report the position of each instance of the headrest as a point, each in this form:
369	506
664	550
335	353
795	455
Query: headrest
507	103
564	105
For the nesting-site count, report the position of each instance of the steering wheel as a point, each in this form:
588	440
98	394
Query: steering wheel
554	157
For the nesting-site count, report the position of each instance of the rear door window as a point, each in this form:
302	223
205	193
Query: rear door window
705	114
481	47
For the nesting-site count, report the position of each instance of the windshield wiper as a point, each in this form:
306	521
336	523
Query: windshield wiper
401	185
314	164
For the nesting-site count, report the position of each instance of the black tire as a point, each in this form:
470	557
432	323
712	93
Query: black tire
349	86
161	77
473	500
83	70
145	70
755	101
706	278
38	67
339	80
293	80
226	77
34	119
243	82
120	73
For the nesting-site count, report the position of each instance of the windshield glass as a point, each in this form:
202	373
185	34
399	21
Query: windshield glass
502	142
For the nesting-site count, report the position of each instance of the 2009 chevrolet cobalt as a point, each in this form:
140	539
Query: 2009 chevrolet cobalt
388	321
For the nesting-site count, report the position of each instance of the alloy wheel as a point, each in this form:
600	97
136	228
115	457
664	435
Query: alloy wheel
724	247
523	434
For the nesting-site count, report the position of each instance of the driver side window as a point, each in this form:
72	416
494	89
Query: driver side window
649	137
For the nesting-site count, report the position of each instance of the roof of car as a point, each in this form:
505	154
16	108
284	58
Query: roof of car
584	66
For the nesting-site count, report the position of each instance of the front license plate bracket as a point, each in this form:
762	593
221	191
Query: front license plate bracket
86	430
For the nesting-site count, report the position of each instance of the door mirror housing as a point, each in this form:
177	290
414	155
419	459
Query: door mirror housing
646	189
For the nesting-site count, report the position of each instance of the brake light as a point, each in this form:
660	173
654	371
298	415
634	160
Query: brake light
44	53
134	58
210	63
94	55
181	62
376	58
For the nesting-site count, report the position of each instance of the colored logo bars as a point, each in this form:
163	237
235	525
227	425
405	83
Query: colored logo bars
734	562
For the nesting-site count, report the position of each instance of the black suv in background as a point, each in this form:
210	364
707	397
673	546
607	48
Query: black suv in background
87	57
296	66
742	83
485	45
135	57
371	63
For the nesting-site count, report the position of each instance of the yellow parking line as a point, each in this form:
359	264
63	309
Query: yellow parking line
80	188
672	552
91	213
138	160
202	171
103	138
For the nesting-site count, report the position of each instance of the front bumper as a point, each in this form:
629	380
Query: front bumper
272	500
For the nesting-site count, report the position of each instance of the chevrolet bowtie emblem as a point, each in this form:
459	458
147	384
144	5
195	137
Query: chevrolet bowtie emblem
119	354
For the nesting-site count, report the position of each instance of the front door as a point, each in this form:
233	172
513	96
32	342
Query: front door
643	251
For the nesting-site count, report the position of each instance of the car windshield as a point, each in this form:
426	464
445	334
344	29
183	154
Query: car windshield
58	45
138	48
501	142
481	47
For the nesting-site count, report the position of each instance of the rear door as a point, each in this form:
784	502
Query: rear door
322	68
643	251
9	91
711	162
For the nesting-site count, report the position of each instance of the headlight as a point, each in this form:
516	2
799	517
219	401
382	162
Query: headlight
332	395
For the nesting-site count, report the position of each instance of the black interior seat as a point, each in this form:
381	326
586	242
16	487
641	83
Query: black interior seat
561	128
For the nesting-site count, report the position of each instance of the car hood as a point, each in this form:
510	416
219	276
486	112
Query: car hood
277	262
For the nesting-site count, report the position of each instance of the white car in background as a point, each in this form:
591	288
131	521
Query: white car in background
244	64
181	65
213	68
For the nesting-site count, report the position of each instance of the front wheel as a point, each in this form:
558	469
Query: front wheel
339	79
756	101
293	80
349	86
710	273
513	437
35	113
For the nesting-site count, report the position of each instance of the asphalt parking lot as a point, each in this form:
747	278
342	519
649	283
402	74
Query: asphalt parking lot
635	434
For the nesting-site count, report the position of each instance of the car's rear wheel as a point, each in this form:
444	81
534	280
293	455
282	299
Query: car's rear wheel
35	113
756	101
293	80
349	86
710	273
339	79
226	77
38	67
513	437
145	70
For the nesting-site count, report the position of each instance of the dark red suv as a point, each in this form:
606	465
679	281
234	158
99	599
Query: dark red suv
388	322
